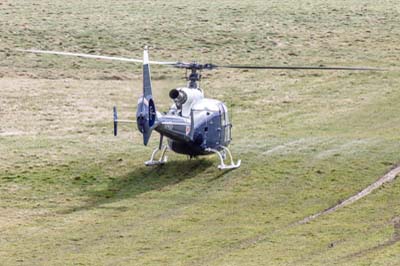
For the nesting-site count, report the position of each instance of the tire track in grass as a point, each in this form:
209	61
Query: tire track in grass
388	177
393	240
252	241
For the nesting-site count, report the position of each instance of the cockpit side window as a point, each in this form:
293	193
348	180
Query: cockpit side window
225	124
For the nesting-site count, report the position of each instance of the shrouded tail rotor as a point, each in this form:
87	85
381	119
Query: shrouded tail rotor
146	118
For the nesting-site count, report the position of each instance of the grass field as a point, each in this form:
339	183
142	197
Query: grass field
73	194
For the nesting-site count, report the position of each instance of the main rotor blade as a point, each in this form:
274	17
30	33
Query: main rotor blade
95	56
196	65
299	67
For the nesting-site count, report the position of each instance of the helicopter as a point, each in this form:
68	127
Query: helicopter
194	125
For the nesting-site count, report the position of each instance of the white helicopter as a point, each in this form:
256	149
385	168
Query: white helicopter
194	125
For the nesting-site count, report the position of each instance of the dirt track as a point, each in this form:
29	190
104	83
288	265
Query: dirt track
388	177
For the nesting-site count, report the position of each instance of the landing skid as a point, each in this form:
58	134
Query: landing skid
222	157
163	159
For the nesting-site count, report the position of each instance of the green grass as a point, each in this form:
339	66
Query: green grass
72	194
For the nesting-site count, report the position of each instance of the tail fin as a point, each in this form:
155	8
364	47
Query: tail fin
146	114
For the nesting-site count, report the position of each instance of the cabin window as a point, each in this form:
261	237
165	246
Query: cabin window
226	126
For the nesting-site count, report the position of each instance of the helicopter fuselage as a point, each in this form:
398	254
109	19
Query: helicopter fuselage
194	124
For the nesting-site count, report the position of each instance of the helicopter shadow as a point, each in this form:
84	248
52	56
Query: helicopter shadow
220	175
142	180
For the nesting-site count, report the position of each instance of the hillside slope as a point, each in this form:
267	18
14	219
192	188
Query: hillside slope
72	194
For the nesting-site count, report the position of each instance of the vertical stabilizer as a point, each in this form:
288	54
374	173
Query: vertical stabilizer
146	111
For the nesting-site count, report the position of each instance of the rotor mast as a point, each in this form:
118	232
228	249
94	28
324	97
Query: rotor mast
195	72
193	78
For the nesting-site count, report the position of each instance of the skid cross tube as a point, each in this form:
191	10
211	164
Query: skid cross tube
222	157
